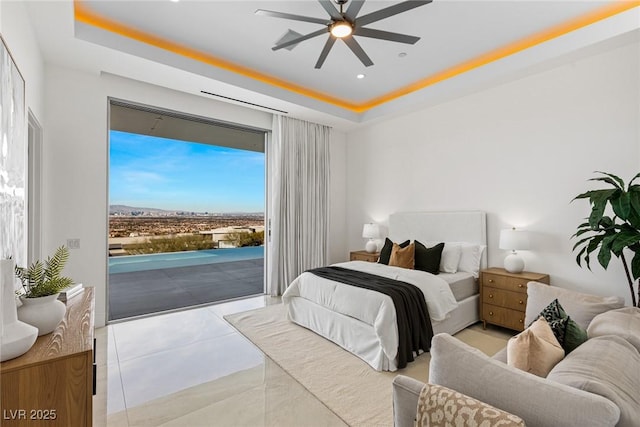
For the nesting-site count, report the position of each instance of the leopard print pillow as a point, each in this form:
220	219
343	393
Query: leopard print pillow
439	406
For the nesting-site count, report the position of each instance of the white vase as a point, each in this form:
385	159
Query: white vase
16	337
45	313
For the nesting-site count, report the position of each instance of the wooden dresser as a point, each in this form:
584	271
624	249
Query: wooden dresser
52	384
503	296
364	256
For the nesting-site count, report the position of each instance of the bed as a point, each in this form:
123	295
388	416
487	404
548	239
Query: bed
363	322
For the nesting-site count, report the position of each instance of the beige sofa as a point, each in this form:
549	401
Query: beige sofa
597	384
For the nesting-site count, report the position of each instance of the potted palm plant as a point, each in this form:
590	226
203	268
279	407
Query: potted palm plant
617	234
42	283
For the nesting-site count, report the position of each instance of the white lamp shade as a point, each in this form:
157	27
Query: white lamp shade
512	239
371	231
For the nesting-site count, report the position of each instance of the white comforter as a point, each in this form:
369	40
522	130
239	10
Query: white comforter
372	307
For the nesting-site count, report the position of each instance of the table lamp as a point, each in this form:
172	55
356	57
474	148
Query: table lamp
513	240
371	231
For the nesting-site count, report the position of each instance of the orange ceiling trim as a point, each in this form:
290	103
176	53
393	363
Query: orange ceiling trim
502	52
84	15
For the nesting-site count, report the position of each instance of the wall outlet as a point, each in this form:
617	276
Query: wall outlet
73	243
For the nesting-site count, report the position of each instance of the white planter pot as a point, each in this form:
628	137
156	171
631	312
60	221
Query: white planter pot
16	337
45	313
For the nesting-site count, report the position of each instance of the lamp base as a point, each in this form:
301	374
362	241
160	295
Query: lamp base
371	246
513	263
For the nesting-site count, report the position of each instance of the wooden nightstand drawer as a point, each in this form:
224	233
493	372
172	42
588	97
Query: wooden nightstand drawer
364	256
512	319
514	284
502	298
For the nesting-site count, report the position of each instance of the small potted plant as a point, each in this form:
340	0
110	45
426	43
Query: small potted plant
42	283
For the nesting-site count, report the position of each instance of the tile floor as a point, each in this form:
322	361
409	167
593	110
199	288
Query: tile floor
191	368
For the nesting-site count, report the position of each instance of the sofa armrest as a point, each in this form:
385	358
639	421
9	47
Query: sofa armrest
405	400
538	401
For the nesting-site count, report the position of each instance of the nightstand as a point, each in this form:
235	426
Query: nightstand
503	296
364	256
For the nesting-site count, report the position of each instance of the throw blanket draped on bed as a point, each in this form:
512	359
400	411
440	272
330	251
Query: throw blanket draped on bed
414	325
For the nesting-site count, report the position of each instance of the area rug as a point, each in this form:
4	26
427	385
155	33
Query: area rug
349	387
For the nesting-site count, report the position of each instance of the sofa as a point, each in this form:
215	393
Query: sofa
597	384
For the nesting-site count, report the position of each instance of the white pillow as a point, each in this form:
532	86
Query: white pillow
450	257
470	258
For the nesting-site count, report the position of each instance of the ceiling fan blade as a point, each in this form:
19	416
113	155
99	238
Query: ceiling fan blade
385	35
331	9
357	49
283	15
390	11
301	39
353	9
325	51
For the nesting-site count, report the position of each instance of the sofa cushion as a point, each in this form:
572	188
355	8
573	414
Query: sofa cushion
463	368
535	350
607	366
624	322
581	307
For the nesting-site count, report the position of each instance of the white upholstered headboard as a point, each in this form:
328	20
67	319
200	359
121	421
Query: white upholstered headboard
453	226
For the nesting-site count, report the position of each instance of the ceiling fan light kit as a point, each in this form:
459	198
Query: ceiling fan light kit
343	25
341	29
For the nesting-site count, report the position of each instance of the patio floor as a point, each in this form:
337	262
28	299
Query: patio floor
150	291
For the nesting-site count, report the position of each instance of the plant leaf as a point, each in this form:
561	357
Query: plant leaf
622	205
625	238
616	181
604	255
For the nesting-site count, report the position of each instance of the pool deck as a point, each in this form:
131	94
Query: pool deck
145	292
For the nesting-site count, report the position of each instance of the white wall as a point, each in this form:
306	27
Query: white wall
18	34
520	151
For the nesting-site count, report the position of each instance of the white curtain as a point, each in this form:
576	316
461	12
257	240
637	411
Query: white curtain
299	209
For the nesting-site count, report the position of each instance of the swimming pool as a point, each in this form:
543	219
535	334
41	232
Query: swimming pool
130	263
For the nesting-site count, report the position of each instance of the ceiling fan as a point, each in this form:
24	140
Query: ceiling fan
346	24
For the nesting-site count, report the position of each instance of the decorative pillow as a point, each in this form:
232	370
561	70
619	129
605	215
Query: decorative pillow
535	350
568	333
470	258
385	252
441	406
402	257
572	334
428	259
450	257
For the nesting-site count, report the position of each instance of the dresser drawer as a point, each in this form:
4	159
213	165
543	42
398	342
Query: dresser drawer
514	284
502	298
512	319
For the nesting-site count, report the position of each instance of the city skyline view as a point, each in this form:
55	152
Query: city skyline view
160	173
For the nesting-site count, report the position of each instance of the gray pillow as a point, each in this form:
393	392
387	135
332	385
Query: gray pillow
581	307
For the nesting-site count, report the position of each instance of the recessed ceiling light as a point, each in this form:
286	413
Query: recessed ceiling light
174	1
402	54
360	76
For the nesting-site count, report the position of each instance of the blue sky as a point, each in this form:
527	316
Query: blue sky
151	172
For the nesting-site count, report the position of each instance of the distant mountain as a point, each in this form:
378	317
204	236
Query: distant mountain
134	211
128	210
